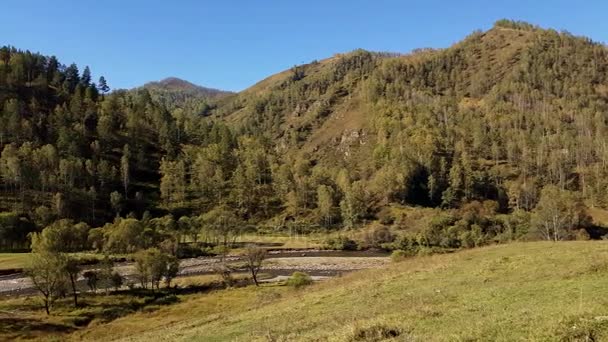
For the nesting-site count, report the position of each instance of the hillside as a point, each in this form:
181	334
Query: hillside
488	132
523	291
175	93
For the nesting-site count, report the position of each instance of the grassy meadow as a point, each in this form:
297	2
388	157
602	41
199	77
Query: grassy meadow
538	291
13	260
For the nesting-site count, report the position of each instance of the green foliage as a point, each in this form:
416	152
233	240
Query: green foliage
341	243
399	255
559	214
332	143
152	266
254	257
125	236
14	231
47	272
515	24
299	280
63	236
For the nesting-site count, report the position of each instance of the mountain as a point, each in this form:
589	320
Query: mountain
483	119
176	93
502	127
174	84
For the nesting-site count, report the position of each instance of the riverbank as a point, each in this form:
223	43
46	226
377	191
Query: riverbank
316	262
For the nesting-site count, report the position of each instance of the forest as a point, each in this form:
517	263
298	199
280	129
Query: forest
501	135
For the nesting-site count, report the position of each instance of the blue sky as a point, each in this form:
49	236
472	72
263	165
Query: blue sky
233	44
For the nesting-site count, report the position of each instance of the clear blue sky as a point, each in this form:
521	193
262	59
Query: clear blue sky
233	44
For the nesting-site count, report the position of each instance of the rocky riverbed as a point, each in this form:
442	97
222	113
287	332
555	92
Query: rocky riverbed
319	264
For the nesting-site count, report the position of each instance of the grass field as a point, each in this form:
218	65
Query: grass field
524	291
13	260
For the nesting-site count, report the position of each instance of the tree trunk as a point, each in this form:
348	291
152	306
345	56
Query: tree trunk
74	292
46	306
255	277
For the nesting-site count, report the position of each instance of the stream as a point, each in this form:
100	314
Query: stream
320	264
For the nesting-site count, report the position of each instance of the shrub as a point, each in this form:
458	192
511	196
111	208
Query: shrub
225	272
400	255
189	251
299	279
582	235
341	243
386	217
377	237
92	278
116	280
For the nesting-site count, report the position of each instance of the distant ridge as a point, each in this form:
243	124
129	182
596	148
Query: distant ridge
178	84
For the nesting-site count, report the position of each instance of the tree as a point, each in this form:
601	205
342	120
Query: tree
117	280
14	230
46	270
353	205
152	266
325	203
116	202
171	269
106	271
254	257
65	236
102	85
86	78
125	236
223	224
172	182
72	270
124	168
92	278
558	213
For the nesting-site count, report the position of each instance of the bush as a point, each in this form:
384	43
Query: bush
582	235
341	243
400	255
299	279
116	280
189	251
386	217
92	278
377	237
225	273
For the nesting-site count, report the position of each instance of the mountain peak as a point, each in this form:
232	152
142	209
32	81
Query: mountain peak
175	84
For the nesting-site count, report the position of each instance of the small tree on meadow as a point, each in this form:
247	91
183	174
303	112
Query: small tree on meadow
152	266
254	257
46	269
72	270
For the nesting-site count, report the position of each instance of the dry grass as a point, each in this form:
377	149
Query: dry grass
524	291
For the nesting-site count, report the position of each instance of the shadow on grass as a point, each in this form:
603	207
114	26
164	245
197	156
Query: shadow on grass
29	326
98	307
114	305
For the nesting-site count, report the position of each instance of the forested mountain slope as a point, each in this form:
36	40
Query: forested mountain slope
488	125
176	94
